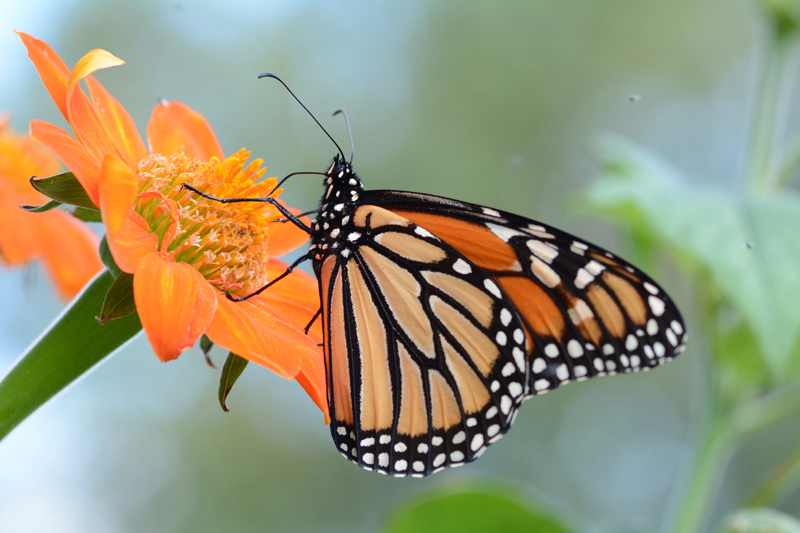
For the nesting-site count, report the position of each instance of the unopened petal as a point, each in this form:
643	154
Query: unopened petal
175	127
175	304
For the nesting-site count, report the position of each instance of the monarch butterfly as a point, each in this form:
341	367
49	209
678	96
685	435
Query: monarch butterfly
441	317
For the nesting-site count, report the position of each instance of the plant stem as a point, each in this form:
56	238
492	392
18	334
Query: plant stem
782	479
709	464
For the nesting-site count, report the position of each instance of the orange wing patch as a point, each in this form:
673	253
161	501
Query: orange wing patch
475	241
336	360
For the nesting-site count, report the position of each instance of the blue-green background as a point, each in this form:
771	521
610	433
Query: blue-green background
495	103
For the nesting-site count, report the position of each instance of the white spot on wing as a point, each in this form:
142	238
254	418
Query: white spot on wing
503	232
542	251
462	267
492	287
656	305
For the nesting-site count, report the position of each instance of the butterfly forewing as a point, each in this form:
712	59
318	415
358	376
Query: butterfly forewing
586	312
425	353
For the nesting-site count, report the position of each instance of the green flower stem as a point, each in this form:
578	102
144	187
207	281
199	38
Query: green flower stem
709	464
764	170
720	440
780	482
70	347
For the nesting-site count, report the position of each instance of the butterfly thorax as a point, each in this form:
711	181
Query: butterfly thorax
333	229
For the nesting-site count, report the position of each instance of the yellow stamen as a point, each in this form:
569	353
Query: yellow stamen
227	243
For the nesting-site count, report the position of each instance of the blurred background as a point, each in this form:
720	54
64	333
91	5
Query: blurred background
495	103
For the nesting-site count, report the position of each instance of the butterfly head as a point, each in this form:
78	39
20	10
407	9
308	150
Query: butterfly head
336	208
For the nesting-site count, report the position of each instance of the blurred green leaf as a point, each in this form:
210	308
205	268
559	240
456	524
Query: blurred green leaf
52	204
761	521
119	300
743	367
750	245
472	508
65	188
231	370
72	345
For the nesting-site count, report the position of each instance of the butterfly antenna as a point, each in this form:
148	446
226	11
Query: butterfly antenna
350	133
273	76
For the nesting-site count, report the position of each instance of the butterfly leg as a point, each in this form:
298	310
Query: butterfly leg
288	271
301	215
313	319
270	200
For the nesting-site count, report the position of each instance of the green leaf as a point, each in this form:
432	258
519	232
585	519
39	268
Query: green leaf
108	259
231	370
471	508
741	372
65	188
52	204
750	245
71	345
119	300
87	215
761	520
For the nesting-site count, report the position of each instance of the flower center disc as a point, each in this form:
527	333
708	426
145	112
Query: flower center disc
227	243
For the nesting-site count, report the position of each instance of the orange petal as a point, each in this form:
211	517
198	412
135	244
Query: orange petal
119	125
175	303
18	242
70	251
175	127
312	378
132	243
72	153
294	299
51	68
285	236
81	113
256	334
117	191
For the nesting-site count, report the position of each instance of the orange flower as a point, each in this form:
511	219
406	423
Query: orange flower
183	250
66	245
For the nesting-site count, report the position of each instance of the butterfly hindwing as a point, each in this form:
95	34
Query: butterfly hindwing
426	356
586	311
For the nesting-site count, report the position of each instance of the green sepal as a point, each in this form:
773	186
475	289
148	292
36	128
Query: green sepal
52	204
231	370
107	259
119	300
205	345
71	346
65	188
87	215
